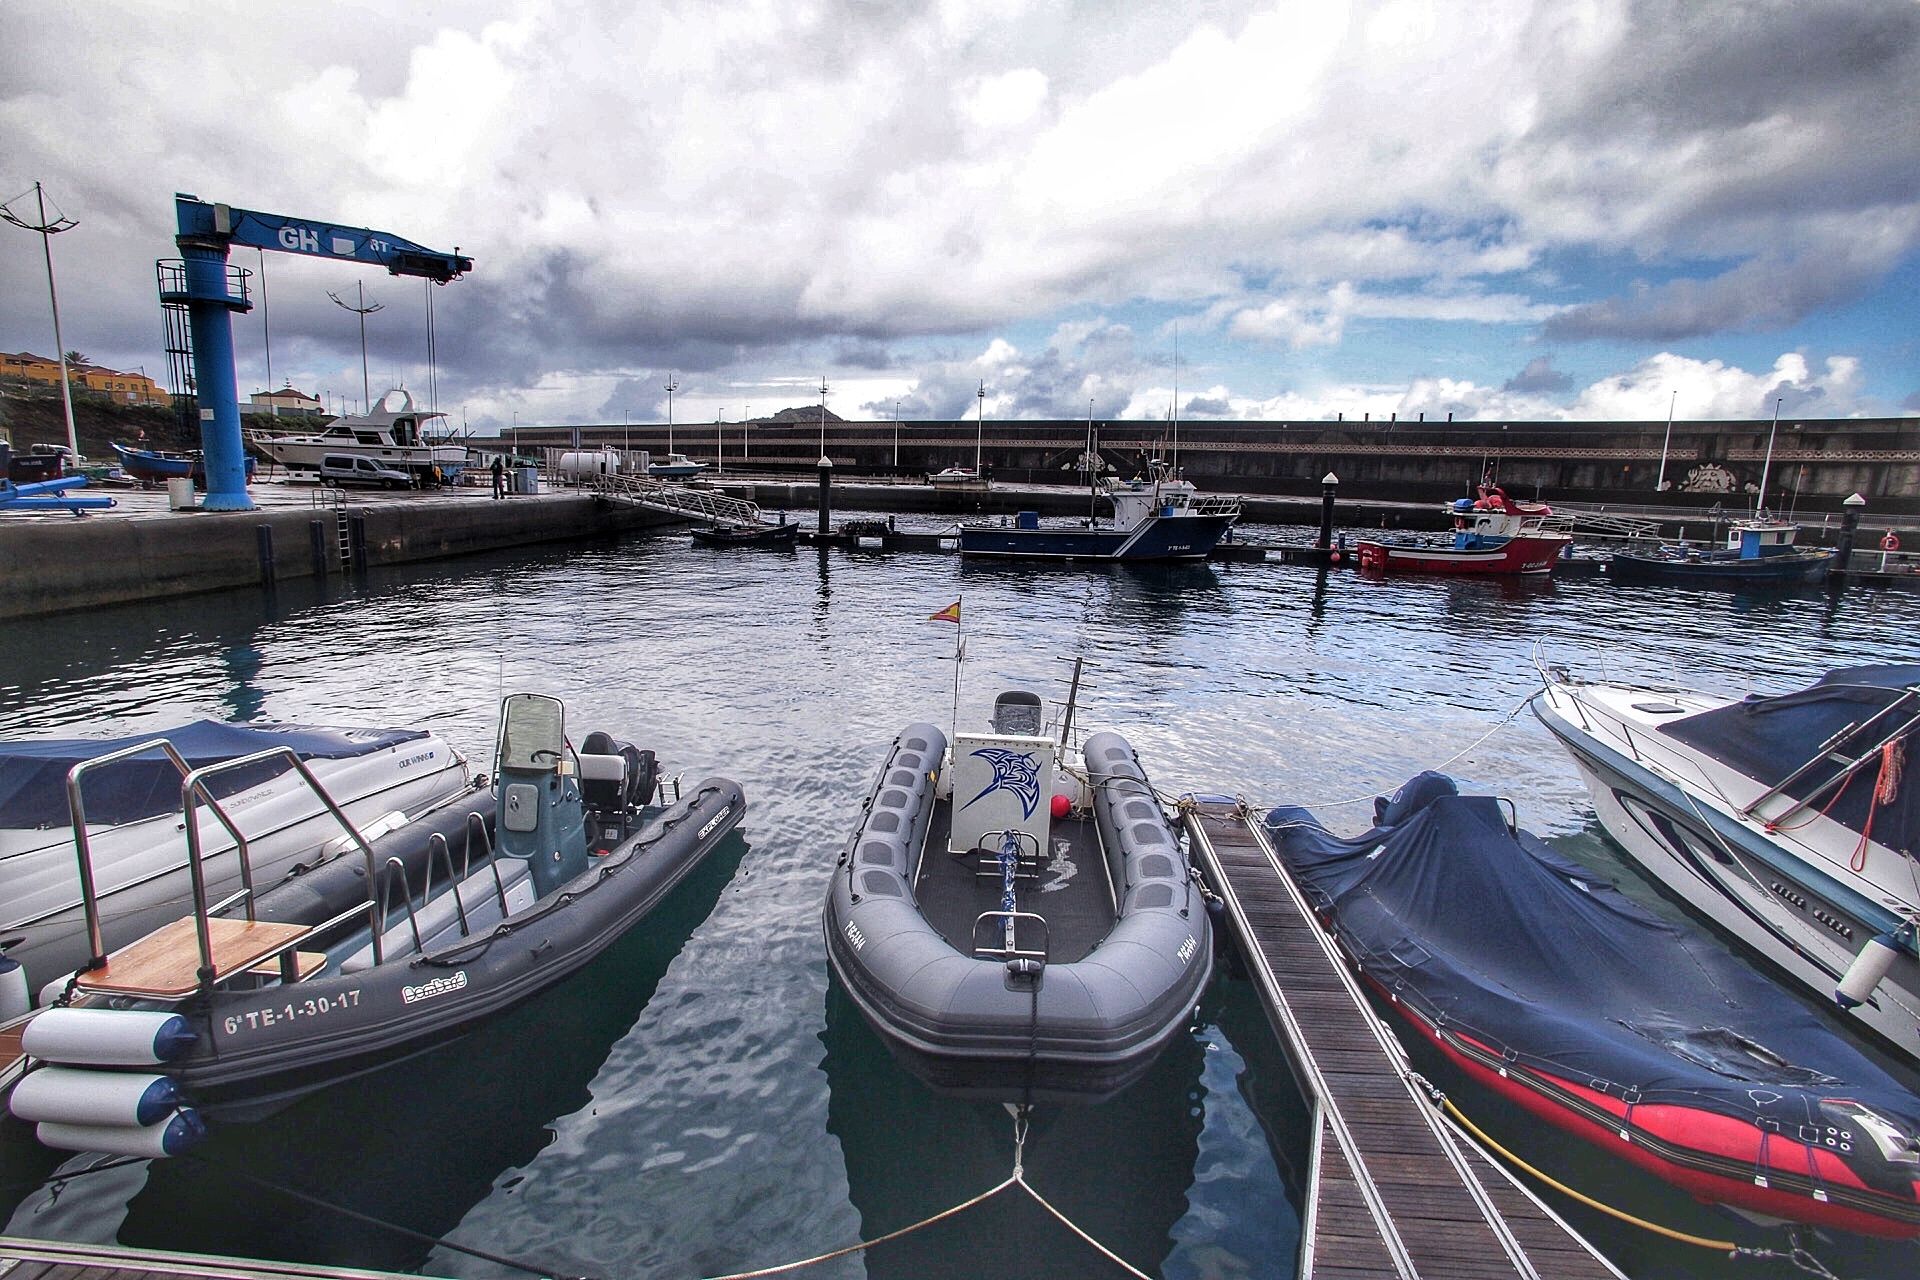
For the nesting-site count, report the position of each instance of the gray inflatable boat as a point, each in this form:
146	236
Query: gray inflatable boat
1012	928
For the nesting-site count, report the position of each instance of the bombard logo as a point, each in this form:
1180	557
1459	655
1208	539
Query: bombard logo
1015	771
452	982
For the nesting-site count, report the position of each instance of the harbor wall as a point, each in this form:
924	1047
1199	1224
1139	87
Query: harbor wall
49	564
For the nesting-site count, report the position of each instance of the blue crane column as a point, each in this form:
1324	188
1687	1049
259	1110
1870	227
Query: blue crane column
207	232
210	309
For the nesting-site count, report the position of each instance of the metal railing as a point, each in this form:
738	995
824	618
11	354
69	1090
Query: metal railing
675	499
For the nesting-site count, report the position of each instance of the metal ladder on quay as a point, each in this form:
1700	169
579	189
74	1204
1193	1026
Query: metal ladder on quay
675	499
1393	1190
336	499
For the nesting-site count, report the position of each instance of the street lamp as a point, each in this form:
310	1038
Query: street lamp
746	415
363	311
896	433
48	230
673	385
719	444
823	423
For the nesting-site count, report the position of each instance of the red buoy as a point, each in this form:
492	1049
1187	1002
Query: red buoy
1061	807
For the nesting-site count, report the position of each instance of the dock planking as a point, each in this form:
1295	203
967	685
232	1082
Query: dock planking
1394	1190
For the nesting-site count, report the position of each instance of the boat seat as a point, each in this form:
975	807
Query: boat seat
439	920
603	781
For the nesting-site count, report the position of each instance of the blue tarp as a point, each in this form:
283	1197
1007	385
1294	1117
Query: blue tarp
33	774
1493	933
1769	738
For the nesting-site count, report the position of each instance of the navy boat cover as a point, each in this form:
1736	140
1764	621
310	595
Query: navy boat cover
33	774
1491	933
1769	737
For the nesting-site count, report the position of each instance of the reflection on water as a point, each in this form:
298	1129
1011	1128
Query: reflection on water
698	1101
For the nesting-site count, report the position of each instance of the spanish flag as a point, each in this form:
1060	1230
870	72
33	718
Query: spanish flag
949	614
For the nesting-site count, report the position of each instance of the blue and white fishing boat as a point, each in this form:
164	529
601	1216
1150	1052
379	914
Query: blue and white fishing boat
1757	552
1158	516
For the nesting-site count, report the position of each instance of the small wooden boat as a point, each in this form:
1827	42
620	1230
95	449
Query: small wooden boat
1757	553
149	466
253	1002
1549	987
747	535
1493	534
1013	929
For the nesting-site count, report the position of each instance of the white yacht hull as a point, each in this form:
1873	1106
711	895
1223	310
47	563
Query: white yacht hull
1790	898
140	868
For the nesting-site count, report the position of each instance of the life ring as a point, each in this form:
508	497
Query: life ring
1889	543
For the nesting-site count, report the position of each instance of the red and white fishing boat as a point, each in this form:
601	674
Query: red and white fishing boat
1491	534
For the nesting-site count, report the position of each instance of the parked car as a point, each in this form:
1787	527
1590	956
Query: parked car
346	468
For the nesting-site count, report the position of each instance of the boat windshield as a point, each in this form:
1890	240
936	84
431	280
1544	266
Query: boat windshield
532	732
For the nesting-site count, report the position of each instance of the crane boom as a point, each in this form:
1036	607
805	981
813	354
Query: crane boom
278	232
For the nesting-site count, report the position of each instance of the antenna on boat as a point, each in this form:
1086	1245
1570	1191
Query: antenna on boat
1073	696
1173	411
1093	468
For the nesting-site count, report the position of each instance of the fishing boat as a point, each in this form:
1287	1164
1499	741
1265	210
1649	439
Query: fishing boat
123	796
1157	516
395	433
1012	926
747	535
1790	822
675	466
1492	534
1757	552
1546	985
148	466
256	1001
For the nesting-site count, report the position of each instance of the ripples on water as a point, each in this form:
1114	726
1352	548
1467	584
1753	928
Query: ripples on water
699	1100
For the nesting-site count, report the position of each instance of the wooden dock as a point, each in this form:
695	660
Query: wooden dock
22	1259
1395	1191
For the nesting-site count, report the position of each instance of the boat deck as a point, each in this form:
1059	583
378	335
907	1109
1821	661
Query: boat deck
1071	891
1394	1191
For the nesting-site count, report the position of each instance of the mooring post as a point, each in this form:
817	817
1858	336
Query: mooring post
1328	484
263	537
1853	505
826	492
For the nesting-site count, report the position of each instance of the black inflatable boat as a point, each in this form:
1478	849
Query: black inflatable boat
233	1013
1013	928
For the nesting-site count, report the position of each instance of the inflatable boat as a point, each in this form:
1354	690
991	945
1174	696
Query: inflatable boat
231	1014
1546	985
128	793
1011	928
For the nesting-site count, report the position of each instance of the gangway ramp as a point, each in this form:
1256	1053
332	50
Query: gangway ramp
1394	1190
675	499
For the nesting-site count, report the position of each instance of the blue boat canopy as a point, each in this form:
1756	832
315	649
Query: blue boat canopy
33	774
1488	932
1769	738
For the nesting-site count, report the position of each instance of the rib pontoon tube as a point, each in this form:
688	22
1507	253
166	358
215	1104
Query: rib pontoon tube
1010	1028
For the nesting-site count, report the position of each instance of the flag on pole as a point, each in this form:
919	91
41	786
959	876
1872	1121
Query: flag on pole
949	614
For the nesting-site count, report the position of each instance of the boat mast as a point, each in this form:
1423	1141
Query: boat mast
979	427
1174	412
1760	499
1073	696
1093	468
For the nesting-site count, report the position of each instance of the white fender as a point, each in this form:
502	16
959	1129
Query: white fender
1871	965
69	1095
108	1037
183	1131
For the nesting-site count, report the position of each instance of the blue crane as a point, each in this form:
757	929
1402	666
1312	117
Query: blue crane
210	291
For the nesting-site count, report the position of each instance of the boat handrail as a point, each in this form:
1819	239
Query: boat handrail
1013	952
395	869
1827	751
83	844
1213	504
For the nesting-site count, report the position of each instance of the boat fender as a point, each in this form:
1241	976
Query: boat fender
13	987
1871	965
108	1037
71	1095
177	1135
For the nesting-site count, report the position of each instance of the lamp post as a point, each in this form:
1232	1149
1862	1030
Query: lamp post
48	230
719	444
1767	468
673	385
746	416
825	466
979	427
1660	484
363	311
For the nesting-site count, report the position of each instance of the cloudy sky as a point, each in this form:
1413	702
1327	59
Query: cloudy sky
1571	208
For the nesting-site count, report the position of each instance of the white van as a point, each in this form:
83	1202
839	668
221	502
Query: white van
347	468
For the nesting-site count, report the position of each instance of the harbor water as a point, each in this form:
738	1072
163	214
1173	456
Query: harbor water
702	1100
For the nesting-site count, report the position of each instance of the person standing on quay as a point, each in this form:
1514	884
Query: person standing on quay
499	470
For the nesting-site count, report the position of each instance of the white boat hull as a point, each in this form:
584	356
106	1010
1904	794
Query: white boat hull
140	868
1808	917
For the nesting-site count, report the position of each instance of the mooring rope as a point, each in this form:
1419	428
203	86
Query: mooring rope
1797	1255
1018	1178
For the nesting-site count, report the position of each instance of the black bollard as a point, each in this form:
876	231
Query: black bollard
826	492
1328	484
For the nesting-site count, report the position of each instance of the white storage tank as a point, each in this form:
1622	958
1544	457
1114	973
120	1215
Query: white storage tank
597	462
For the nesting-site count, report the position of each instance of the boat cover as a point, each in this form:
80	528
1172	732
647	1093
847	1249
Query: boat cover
1767	738
1491	933
33	774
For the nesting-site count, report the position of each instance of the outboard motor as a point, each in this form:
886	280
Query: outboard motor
540	812
617	780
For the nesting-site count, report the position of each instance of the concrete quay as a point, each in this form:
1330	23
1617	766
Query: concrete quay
140	550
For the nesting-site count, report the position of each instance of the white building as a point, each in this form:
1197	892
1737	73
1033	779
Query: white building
282	402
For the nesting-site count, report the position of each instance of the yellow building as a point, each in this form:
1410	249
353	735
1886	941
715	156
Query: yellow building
122	388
